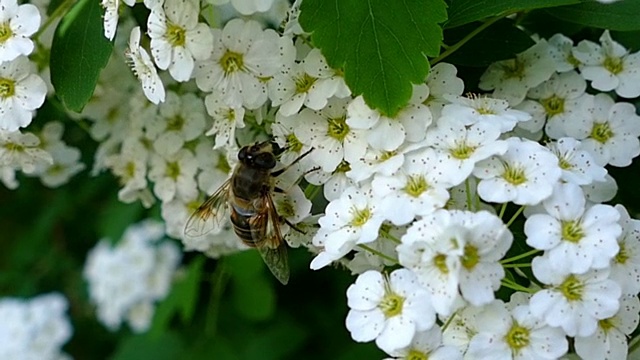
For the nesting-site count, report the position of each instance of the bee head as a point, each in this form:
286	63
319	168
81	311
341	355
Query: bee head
259	155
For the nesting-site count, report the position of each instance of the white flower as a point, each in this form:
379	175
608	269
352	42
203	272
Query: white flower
177	38
21	92
574	302
179	119
561	51
416	189
18	23
442	83
514	334
610	339
379	162
327	132
609	66
124	280
601	191
559	102
310	83
524	174
352	219
456	251
246	7
22	151
577	165
427	345
492	112
581	237
387	134
174	175
609	131
226	120
143	68
130	166
243	56
462	145
36	328
334	183
389	310
625	267
511	79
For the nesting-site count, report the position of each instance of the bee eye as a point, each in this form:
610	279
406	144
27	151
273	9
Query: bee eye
242	154
265	161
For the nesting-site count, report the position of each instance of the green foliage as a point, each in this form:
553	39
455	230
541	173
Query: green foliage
166	346
466	11
622	16
78	53
380	45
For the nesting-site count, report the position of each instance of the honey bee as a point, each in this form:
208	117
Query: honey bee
247	194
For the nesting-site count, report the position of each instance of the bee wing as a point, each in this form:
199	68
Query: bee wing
210	214
265	231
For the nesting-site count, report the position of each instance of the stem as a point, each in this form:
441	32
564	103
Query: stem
503	208
512	285
467	189
516	265
449	320
218	282
513	218
633	345
60	10
378	253
520	256
453	48
311	191
387	235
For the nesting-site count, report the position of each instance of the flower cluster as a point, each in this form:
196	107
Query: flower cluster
126	280
34	328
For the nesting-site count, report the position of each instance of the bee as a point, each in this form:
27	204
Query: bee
248	196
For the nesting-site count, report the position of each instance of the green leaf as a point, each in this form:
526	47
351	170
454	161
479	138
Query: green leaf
380	45
502	40
621	16
116	217
465	11
282	339
78	53
166	346
254	299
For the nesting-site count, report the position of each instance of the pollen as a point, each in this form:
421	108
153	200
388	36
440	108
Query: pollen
462	151
514	69
572	288
470	258
338	128
360	216
564	164
553	105
176	35
514	175
606	324
614	65
173	170
175	123
440	262
414	354
416	185
601	132
7	88
572	231
518	337
293	143
391	304
231	62
304	83
623	255
5	32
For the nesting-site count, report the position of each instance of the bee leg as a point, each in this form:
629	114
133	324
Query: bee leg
293	226
279	172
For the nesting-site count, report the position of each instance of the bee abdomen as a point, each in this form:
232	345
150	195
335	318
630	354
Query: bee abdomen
242	227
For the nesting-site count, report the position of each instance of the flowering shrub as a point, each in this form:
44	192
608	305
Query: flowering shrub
460	158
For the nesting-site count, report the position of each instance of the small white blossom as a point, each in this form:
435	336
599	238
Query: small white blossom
574	302
143	68
625	266
561	51
226	120
482	109
577	165
427	345
177	39
22	151
441	84
18	23
609	66
174	175
21	92
524	174
390	310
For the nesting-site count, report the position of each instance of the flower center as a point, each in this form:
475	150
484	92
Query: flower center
360	216
572	231
553	105
5	32
230	115
386	155
462	151
176	36
286	209
173	170
343	167
440	262
175	123
564	164
231	62
129	171
391	304
614	65
514	175
514	68
414	354
517	337
572	288
606	324
293	143
601	132
416	185
622	256
7	88
13	147
470	257
338	128
304	83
